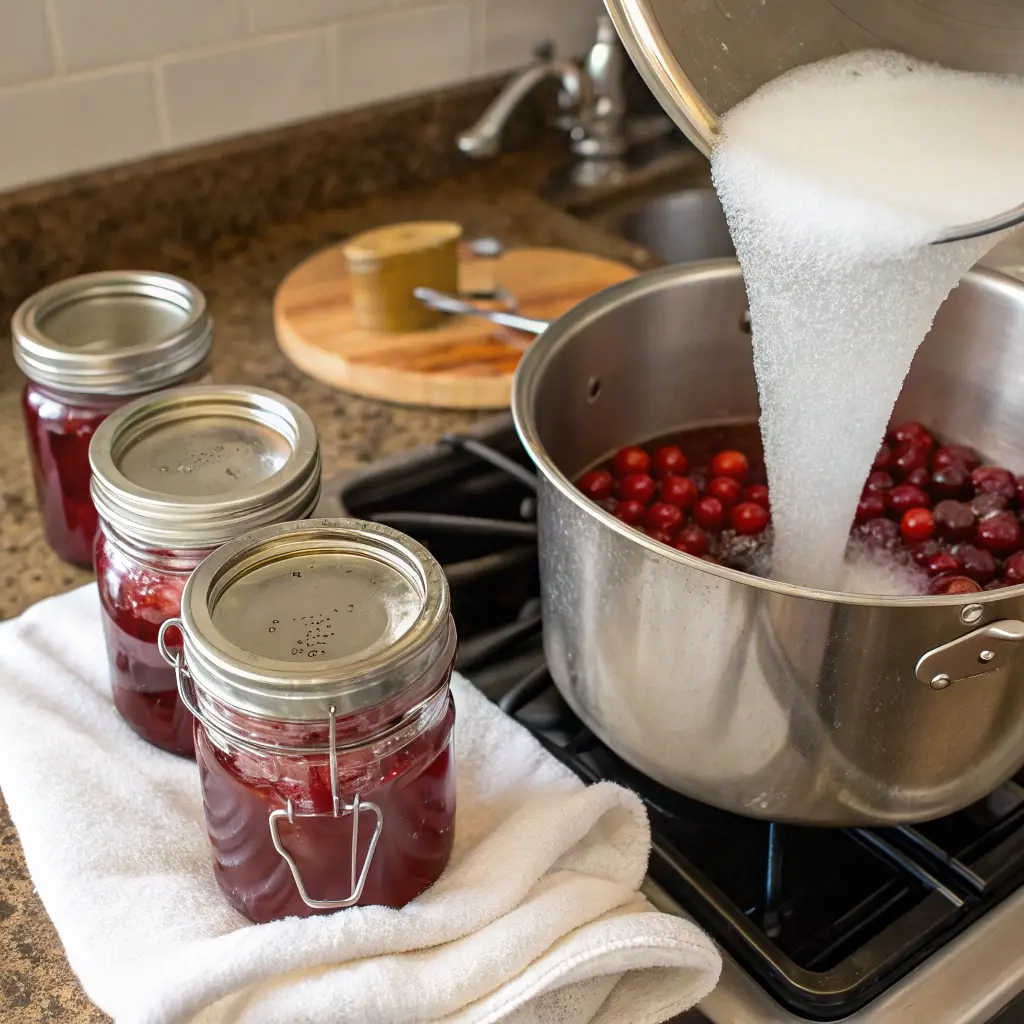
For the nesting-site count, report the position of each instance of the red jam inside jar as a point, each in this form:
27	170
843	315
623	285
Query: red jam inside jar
413	785
174	476
317	657
59	429
139	591
88	345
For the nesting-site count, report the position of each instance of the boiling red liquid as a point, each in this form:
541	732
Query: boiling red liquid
59	433
414	788
136	600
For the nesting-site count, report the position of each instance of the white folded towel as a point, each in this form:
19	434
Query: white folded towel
537	919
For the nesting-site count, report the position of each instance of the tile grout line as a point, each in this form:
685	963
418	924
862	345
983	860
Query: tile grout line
56	50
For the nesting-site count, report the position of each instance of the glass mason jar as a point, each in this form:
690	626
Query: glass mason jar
317	658
174	476
87	345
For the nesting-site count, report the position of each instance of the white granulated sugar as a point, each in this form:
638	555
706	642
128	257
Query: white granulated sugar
881	575
834	179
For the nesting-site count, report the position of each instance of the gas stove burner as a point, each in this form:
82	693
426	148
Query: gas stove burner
830	923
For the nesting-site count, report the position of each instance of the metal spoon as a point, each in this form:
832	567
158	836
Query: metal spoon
450	304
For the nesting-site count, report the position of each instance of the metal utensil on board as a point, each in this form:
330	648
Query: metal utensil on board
700	60
769	700
452	304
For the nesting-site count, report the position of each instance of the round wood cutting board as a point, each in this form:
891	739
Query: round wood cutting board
466	362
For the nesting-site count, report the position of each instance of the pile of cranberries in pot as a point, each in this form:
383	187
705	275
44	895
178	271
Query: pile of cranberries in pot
935	504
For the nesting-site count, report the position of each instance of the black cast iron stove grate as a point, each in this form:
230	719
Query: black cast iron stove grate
824	919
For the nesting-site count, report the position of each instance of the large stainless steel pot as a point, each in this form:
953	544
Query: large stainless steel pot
766	699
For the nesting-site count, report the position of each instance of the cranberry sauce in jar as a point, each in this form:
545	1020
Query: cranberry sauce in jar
174	476
317	657
87	345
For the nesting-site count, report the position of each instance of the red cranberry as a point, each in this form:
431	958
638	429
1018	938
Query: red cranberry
749	519
709	514
609	505
976	562
925	550
912	433
918	478
880	534
871	506
732	464
951	482
637	487
680	491
669	460
597	485
917	524
692	540
1013	569
904	497
726	489
662	516
661	536
953	585
942	564
998	584
994	480
1000	533
955	455
630	511
1020	491
954	520
910	457
884	458
632	459
879	480
985	505
758	494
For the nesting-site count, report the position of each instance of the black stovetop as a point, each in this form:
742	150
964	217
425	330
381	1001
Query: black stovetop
824	919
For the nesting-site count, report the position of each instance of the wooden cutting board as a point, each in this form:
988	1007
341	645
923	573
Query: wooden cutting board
465	363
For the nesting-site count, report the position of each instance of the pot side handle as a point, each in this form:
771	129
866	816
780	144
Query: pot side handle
974	654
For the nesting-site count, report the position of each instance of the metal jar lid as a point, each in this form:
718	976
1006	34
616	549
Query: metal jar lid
305	621
120	332
193	467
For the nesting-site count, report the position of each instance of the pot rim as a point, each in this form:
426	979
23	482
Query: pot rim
529	373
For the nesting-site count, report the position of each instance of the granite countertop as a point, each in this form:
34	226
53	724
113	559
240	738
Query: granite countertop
239	276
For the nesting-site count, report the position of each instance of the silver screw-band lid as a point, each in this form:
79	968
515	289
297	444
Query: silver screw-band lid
293	620
119	333
193	467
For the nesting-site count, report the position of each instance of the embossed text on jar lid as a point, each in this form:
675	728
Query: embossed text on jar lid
120	332
290	620
193	467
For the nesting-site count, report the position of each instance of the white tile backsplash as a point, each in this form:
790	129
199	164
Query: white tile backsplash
258	85
24	41
512	29
76	123
400	53
91	83
271	15
101	33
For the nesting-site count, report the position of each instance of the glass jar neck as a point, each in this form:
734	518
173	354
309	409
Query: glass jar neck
184	561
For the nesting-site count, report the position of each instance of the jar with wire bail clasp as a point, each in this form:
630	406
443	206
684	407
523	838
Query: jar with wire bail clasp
175	475
88	345
317	658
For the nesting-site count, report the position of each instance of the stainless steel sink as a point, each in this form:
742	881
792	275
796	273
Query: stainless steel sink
685	225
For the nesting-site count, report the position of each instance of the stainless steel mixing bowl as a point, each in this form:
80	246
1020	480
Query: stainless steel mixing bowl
761	698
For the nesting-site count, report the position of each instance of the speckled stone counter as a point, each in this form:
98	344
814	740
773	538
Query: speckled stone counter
239	276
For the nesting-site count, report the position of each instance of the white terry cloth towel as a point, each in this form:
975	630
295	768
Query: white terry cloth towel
537	919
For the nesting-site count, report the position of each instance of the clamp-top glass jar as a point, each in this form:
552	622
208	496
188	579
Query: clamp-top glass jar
87	346
175	475
317	659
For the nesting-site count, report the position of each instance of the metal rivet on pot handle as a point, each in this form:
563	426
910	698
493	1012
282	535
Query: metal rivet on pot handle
986	649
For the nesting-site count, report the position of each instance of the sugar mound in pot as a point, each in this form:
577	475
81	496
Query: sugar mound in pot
834	179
